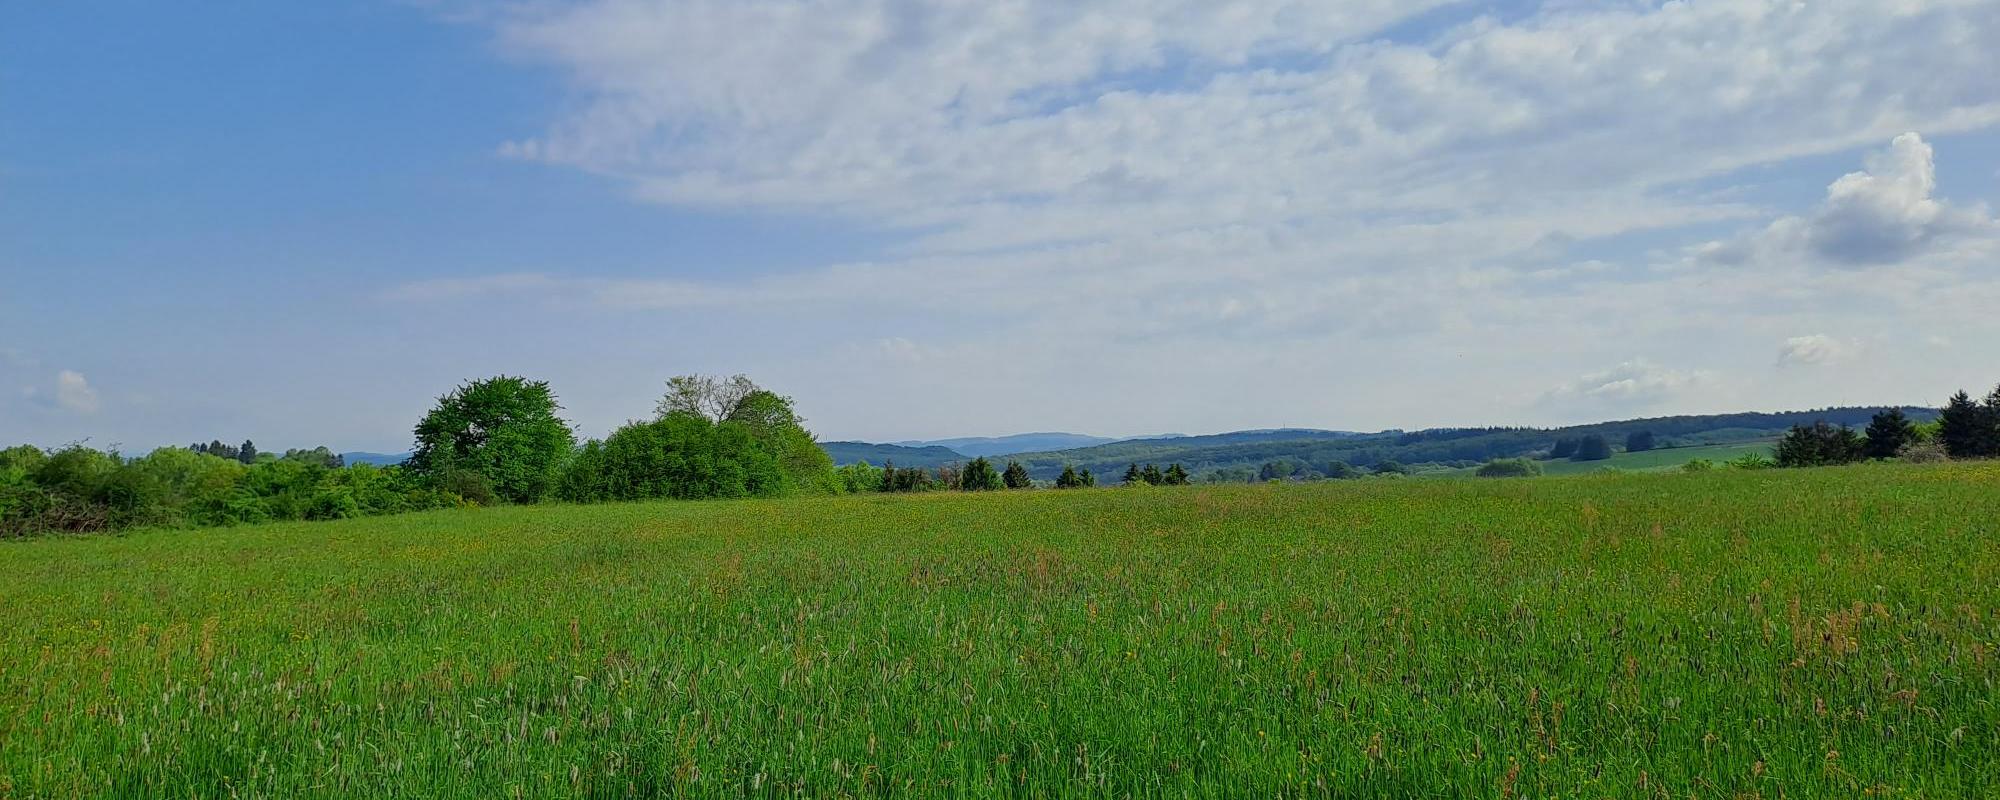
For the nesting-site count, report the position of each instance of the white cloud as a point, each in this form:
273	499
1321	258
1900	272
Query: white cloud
1632	386
1814	350
1883	215
1269	196
74	393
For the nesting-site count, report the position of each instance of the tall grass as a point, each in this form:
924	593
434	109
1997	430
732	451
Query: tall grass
1764	634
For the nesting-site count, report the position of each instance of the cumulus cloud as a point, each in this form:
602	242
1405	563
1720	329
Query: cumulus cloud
1884	214
1633	385
74	393
1814	350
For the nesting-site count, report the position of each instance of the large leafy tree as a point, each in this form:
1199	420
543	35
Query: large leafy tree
1592	448
770	420
503	430
714	398
1639	441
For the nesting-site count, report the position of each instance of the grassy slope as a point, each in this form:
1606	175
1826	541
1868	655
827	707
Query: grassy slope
1788	633
1671	458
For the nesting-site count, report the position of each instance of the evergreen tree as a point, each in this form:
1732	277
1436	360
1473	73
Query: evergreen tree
1132	475
1088	479
1016	476
1888	432
1639	442
1564	448
1176	475
1068	479
1964	427
1820	444
979	476
1153	475
1592	448
247	453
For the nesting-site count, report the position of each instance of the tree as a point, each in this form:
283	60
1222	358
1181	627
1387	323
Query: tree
1133	476
1968	429
1564	448
1176	475
1888	432
504	429
1592	448
1089	480
1639	442
1342	471
1016	476
1820	444
771	421
1509	468
247	454
1391	467
1069	479
979	476
706	396
1153	475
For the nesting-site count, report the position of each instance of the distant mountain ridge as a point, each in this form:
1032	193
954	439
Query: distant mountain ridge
1240	454
989	446
378	459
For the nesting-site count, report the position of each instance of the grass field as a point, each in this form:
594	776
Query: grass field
1809	633
1666	459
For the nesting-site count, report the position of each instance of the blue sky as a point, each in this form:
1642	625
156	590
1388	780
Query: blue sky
298	223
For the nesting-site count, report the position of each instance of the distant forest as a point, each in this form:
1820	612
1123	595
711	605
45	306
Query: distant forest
1256	455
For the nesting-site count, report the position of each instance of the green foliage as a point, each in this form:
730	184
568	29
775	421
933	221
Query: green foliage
859	477
81	490
1970	429
1564	448
770	419
907	479
1639	441
1069	479
1016	476
1698	465
1176	475
1888	433
1821	444
504	429
1752	461
1390	468
681	456
1510	468
1133	476
1593	447
979	476
1343	471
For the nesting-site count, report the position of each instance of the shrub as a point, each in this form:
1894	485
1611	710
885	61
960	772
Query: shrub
1923	452
1510	468
1751	461
1698	465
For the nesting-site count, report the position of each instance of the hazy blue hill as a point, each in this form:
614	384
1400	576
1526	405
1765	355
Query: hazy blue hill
1242	453
378	459
877	454
976	446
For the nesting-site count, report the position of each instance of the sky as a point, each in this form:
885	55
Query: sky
300	223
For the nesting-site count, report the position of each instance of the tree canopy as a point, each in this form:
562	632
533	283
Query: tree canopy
503	430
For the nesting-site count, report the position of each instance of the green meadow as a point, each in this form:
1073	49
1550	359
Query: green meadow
1661	459
1778	633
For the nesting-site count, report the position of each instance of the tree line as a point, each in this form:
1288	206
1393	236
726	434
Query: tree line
1964	429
